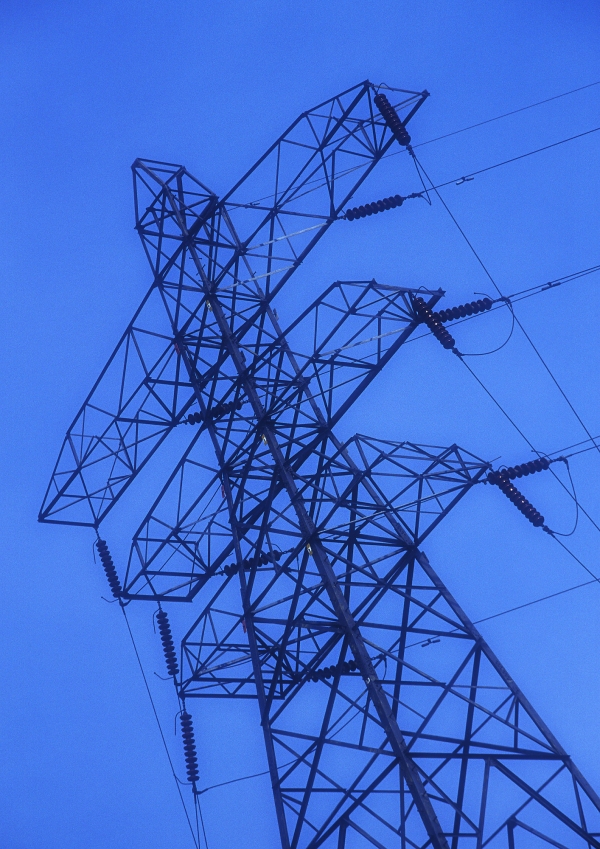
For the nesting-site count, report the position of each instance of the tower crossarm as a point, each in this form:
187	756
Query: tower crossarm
260	231
301	397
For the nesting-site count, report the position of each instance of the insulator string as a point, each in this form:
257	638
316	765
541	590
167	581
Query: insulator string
195	838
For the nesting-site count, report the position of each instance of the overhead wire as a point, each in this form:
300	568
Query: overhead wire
472	174
503	345
534	601
244	778
594	580
529	443
553	534
321	182
495	285
513	423
552	284
575	445
574	496
354	168
507	114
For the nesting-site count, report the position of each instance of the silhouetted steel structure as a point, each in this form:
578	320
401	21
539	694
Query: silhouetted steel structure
296	557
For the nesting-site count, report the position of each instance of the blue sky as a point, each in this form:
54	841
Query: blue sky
85	88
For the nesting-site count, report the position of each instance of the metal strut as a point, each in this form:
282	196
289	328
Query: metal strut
302	554
339	604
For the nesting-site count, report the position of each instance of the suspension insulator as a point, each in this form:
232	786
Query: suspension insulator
464	310
263	558
356	212
518	499
344	668
522	470
273	556
167	643
194	418
223	408
109	568
529	468
392	119
189	747
425	315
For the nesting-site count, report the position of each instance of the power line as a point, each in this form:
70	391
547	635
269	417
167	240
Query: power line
455	180
535	601
535	451
501	302
521	295
472	174
508	114
354	168
574	556
243	778
495	285
575	445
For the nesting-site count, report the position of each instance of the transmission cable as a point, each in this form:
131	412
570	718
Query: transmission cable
497	304
244	777
472	248
507	114
522	294
455	180
594	580
160	729
473	174
535	601
535	451
517	607
495	285
354	168
574	497
575	445
504	344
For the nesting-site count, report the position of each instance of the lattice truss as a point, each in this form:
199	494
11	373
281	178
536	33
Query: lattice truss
296	557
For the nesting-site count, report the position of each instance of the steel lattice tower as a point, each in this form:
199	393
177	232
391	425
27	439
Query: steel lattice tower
296	557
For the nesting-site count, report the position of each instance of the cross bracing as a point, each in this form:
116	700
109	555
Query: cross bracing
296	557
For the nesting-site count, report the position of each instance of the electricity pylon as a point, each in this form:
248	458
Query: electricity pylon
296	557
